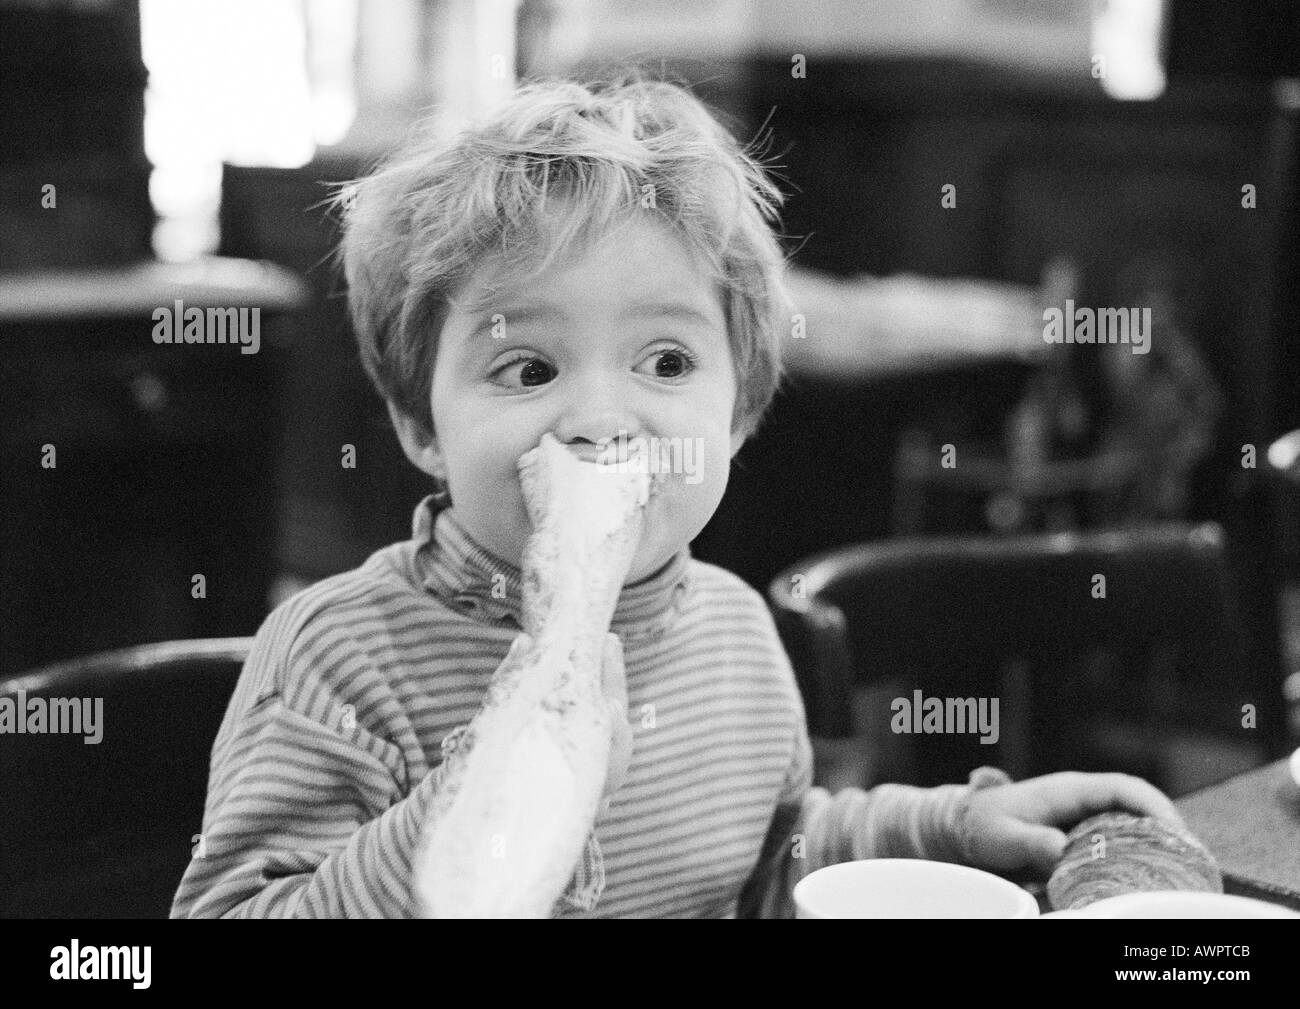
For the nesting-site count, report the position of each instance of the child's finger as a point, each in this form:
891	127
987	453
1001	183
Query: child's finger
613	677
1042	846
512	663
1142	797
614	686
1099	793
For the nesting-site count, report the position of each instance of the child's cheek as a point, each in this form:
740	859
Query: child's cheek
689	499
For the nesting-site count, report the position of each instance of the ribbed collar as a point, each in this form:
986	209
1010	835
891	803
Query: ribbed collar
459	571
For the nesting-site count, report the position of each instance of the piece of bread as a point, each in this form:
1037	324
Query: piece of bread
586	526
1116	853
520	793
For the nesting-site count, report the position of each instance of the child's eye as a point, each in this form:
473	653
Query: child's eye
524	370
672	362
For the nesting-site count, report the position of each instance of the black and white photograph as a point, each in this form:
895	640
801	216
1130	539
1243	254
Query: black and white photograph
674	459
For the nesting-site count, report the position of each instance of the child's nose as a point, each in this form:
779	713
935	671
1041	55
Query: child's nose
595	431
596	411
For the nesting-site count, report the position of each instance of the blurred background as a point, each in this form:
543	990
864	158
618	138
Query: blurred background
953	168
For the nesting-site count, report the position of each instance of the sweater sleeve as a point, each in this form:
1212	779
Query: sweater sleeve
812	828
302	826
309	813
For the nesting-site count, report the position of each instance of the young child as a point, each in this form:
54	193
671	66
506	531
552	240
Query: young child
589	262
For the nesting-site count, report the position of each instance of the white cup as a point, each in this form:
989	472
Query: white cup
909	888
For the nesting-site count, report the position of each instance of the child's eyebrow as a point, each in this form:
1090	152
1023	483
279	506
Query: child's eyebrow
546	311
670	309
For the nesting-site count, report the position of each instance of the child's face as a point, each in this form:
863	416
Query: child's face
627	336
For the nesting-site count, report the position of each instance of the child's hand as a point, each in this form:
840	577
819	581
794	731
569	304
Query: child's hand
614	684
1009	827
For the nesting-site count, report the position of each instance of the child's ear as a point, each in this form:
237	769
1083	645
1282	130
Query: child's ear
420	448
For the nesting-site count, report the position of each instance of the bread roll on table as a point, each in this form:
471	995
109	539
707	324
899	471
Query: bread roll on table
1116	853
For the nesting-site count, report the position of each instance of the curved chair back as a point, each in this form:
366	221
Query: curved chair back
1016	618
93	829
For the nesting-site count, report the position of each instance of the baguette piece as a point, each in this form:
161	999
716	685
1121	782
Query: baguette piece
521	790
1141	853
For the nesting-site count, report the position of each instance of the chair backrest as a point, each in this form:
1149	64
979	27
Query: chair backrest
946	615
105	829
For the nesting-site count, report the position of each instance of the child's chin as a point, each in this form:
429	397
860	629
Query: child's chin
650	556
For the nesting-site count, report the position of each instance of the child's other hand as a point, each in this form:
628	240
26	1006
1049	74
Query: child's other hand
614	685
1009	827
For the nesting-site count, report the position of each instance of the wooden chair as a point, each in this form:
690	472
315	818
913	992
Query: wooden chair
105	829
1020	619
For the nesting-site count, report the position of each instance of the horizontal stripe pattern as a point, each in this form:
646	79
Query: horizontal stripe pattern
326	762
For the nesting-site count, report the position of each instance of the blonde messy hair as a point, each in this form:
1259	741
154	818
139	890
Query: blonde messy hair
415	229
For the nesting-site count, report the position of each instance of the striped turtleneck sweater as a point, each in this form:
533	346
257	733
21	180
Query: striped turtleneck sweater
327	758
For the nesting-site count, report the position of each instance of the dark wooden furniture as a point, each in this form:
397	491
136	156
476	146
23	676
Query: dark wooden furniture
1017	619
330	518
163	458
1133	193
105	830
73	78
1251	823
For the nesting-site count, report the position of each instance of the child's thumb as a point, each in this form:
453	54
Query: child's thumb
613	677
1043	846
